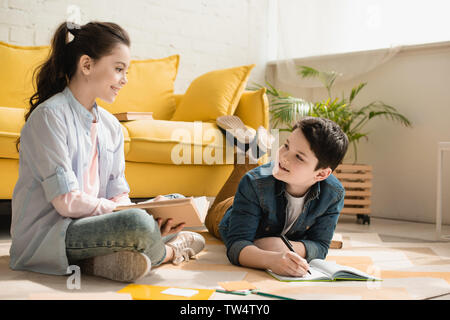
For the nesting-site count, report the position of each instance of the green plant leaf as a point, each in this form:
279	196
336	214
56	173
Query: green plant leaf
356	90
306	72
286	109
327	78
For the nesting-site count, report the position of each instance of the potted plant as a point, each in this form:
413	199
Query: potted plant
356	178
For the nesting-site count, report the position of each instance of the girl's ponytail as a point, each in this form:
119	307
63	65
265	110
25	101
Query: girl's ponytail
51	75
95	39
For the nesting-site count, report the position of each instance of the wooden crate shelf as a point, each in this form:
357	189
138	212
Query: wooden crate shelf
357	181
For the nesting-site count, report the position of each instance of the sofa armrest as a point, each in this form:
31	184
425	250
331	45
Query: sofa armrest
253	108
11	123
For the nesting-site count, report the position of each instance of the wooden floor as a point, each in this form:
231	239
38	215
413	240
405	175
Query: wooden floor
412	235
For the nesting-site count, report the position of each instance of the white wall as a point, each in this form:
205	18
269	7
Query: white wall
208	34
214	34
416	82
321	27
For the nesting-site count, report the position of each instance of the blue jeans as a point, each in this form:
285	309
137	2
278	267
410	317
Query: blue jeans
125	230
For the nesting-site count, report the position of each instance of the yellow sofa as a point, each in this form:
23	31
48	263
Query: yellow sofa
152	147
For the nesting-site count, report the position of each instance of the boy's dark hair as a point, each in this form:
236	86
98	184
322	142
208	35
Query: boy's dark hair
326	139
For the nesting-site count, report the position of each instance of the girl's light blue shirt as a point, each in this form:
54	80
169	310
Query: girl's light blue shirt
54	152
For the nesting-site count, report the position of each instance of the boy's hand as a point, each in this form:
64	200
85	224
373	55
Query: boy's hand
289	264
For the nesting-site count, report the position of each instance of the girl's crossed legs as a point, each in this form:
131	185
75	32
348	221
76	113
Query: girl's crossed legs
125	230
136	235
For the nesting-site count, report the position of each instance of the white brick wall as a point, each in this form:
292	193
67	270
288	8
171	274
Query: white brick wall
208	34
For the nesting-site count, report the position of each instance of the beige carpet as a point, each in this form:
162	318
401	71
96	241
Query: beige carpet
409	271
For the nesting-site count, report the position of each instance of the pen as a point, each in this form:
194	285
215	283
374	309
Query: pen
289	245
270	295
245	293
240	293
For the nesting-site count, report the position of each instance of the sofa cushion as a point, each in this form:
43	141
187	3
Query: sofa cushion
149	180
11	123
177	142
126	140
150	87
18	65
213	94
248	106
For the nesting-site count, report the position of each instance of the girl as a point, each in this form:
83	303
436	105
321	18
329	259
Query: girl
71	169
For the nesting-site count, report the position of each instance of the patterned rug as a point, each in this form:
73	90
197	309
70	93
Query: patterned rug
410	270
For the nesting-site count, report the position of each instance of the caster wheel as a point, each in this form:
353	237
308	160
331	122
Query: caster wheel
363	219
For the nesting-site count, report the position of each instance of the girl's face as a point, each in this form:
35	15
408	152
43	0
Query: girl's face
109	73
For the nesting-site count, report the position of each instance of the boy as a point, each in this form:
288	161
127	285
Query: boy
295	195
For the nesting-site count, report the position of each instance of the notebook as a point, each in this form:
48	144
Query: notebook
322	270
150	292
191	210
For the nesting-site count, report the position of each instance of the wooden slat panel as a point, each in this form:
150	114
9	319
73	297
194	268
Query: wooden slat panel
353	167
357	181
357	193
354	176
361	185
361	202
355	210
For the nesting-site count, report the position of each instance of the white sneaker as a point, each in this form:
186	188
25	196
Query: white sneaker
124	266
256	142
185	246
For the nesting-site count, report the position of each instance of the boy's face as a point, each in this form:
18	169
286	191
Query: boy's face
295	165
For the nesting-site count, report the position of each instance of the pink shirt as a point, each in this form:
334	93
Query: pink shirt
78	204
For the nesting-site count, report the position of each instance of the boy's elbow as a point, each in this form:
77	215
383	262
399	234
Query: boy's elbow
316	249
234	250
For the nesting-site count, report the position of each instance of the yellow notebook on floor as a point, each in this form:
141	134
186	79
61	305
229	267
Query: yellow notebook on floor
149	292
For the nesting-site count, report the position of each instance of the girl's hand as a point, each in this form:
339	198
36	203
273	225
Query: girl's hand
289	264
167	227
160	198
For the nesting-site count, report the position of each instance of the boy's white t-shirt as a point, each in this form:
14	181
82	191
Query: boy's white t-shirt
294	208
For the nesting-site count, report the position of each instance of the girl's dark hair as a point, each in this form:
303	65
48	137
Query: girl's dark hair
95	39
326	139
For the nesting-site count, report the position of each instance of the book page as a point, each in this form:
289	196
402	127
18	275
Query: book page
327	267
336	271
146	201
316	275
152	203
349	273
202	205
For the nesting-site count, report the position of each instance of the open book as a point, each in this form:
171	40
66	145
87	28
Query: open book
190	210
128	116
322	270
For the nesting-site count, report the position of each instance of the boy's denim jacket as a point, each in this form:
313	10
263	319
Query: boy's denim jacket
259	210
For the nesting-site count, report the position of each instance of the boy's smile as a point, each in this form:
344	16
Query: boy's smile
296	165
282	168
